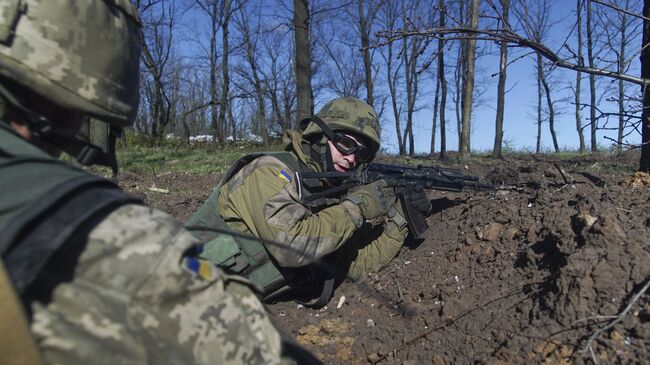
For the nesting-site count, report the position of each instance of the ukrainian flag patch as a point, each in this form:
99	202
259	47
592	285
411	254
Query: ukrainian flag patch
284	175
202	268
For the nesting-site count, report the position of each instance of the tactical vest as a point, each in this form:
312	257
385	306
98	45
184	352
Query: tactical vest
247	257
44	203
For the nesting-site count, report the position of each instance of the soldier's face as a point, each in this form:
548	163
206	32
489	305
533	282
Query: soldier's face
345	162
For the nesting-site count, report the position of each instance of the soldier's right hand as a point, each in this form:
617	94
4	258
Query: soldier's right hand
372	199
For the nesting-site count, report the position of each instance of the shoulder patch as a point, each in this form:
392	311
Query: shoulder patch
199	267
285	175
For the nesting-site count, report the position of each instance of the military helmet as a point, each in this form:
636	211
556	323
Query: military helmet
81	55
349	114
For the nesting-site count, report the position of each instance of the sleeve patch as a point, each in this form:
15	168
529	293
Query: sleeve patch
200	268
285	175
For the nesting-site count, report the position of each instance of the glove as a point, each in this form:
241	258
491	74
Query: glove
418	199
371	198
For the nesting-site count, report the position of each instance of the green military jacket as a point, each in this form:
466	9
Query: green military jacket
262	199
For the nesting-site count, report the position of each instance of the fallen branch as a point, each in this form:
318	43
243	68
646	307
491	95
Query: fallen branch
594	335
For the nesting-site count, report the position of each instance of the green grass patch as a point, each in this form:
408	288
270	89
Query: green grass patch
200	158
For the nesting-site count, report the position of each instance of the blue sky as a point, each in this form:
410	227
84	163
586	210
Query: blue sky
519	121
520	129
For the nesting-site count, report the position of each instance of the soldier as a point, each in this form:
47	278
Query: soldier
89	275
315	240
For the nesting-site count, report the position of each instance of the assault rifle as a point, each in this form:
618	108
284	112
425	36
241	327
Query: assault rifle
404	178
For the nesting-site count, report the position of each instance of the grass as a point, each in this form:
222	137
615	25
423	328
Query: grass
205	158
201	158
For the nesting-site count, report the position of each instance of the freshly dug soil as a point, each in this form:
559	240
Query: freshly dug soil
547	270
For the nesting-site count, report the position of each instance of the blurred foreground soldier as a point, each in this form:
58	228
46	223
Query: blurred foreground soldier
325	237
96	277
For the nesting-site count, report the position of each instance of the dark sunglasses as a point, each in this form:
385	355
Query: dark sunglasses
347	145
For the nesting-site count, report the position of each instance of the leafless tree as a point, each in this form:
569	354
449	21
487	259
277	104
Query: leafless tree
394	64
534	17
250	33
468	84
157	53
224	102
501	88
366	16
645	74
620	31
592	78
304	92
578	87
441	90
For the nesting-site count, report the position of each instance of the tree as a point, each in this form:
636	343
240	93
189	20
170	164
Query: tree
645	74
366	15
534	16
578	88
441	89
394	64
468	84
501	88
225	77
157	40
303	70
592	80
252	73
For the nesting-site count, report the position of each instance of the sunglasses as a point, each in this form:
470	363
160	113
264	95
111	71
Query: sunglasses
347	145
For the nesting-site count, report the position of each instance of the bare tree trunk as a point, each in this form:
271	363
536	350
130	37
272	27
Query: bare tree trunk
440	77
214	107
578	89
434	120
551	113
251	57
621	85
391	76
225	82
501	88
365	25
644	164
303	60
443	103
468	86
538	147
592	81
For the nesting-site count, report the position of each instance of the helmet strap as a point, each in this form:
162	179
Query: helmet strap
84	152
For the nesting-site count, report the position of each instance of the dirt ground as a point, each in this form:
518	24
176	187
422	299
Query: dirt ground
548	271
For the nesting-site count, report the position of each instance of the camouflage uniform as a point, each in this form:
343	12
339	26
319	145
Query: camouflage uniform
121	289
261	199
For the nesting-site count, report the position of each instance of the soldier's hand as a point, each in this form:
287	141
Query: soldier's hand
371	199
418	199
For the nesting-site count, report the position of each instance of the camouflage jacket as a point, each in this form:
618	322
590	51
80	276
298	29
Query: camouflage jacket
261	199
133	297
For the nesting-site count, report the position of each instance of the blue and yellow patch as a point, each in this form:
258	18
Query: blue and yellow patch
285	175
202	268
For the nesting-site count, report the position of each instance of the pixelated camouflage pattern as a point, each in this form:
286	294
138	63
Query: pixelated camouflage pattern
82	55
352	115
258	200
131	302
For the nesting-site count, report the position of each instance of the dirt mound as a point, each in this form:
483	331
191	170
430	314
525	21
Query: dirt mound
538	272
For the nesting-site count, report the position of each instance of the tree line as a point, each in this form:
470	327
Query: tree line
232	68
